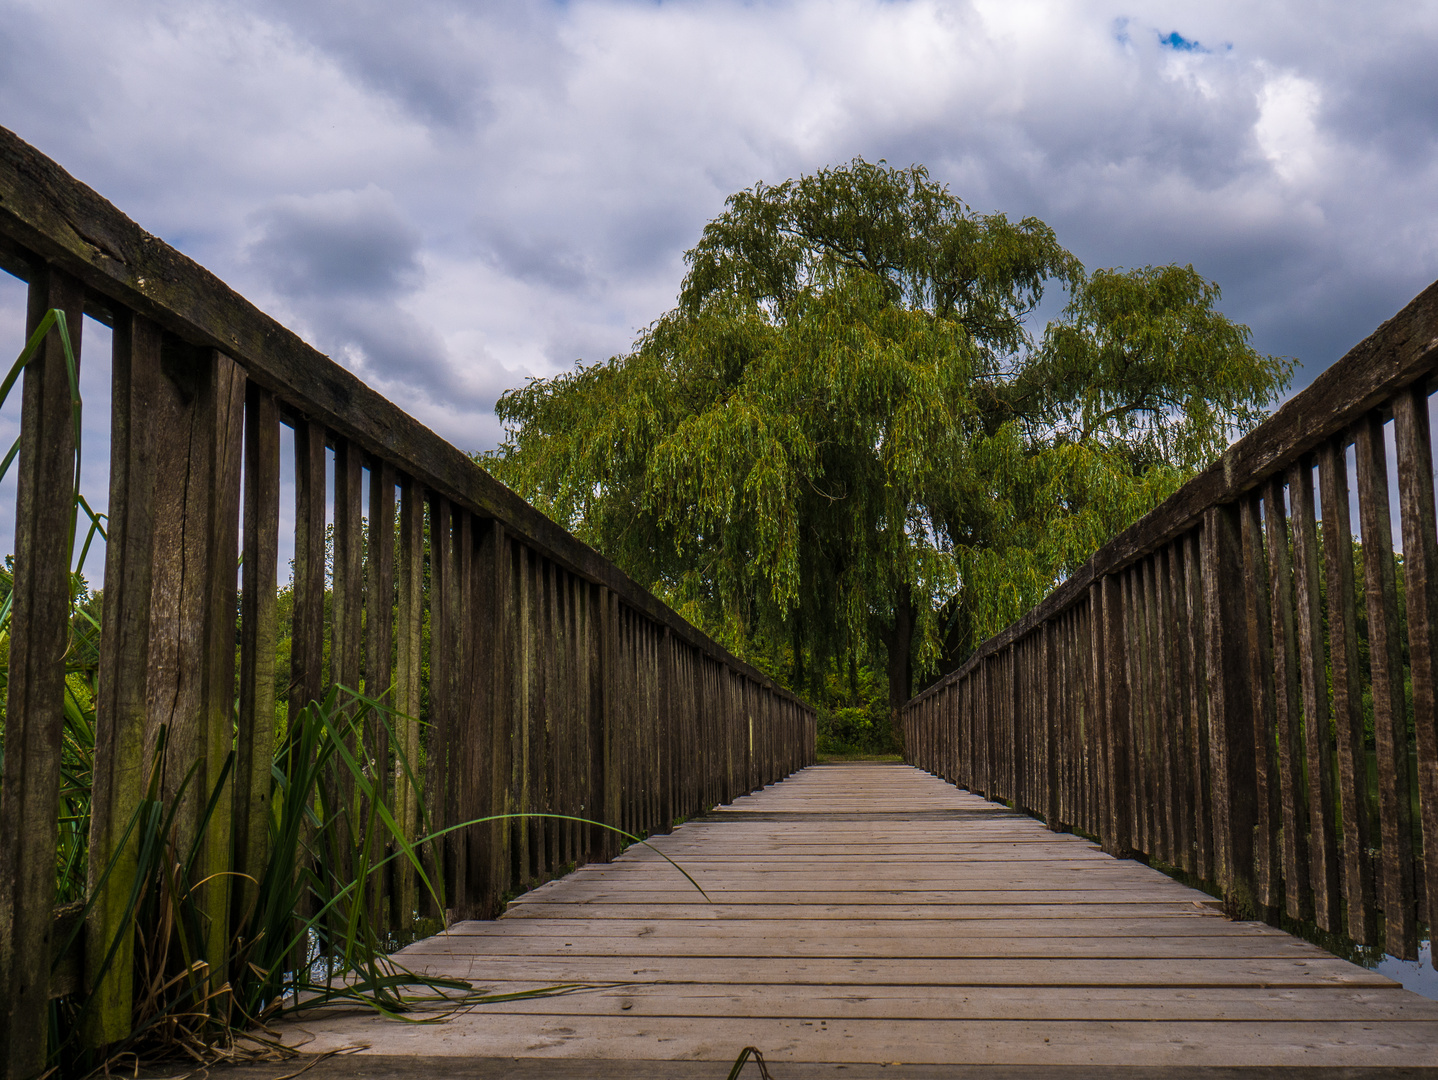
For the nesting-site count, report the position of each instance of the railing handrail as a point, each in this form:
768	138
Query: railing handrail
1399	352
46	211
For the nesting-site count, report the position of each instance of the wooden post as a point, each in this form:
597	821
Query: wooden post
119	776
39	632
1267	810
463	730
1119	840
199	422
255	738
347	606
1051	722
667	764
1420	569
1199	749
307	632
407	687
437	777
1347	699
1230	706
378	663
1296	891
496	565
1318	743
1380	589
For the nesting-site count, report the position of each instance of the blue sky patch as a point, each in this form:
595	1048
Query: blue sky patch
1179	43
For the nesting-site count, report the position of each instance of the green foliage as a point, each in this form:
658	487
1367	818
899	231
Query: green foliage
843	441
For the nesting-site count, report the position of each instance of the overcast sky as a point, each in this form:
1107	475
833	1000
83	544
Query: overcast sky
447	196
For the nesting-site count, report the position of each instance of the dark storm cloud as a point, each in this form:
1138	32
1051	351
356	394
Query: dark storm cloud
449	196
340	243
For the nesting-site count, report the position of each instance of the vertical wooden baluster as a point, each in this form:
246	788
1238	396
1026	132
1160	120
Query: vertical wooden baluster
119	772
1012	742
348	578
1161	675
408	662
463	731
221	602
574	749
1050	723
307	619
596	664
545	722
579	717
500	634
1198	667
1389	720
1318	745
1138	714
1093	660
437	777
1269	814
1230	706
307	630
379	668
199	415
1119	840
1174	617
564	750
1420	572
255	738
523	716
39	630
1156	685
345	628
1064	717
608	758
1347	694
1298	895
666	732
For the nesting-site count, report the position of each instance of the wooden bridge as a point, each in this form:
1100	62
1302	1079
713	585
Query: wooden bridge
1218	692
870	914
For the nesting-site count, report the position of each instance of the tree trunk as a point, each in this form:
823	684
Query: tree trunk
898	640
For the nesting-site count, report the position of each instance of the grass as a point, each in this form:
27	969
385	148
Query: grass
834	756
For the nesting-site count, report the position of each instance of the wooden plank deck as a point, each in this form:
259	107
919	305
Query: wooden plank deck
872	920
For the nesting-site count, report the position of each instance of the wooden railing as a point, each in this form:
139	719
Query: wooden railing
1228	687
554	683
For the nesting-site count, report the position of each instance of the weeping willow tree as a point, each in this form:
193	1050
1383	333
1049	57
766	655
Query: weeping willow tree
844	441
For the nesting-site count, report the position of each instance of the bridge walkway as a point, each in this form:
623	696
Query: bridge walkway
872	920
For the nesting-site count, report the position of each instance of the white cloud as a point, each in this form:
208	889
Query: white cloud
521	179
1287	127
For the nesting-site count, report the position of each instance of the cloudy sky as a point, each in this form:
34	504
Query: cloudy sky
449	196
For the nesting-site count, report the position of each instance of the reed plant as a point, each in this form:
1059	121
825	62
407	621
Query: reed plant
308	931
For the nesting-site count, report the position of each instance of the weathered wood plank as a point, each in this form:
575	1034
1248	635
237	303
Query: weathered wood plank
1347	696
39	632
1420	573
259	631
307	630
1297	893
199	422
1317	741
1268	816
1230	705
120	773
409	621
1400	931
818	975
379	605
